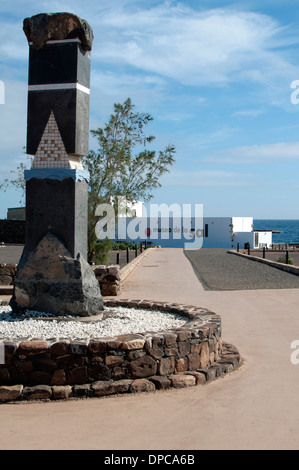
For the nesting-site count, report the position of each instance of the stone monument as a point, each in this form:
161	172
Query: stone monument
53	273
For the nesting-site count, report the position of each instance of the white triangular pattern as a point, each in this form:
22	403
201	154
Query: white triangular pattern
51	152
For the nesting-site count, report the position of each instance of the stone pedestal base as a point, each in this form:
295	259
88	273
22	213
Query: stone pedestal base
49	280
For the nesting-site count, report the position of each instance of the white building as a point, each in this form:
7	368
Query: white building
207	232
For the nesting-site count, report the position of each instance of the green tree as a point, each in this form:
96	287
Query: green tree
122	165
17	181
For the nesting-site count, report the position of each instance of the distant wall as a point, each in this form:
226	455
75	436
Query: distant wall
16	213
12	231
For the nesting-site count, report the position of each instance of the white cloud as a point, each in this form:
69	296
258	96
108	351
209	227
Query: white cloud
205	178
249	113
195	48
256	154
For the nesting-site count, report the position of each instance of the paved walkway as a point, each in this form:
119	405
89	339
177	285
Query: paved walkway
256	407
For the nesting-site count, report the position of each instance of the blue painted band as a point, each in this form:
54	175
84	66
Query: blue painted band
56	174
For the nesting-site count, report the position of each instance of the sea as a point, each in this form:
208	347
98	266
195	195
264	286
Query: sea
289	229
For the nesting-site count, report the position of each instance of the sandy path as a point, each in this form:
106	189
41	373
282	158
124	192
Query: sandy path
255	407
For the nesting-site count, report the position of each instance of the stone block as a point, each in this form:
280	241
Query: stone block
31	348
131	341
142	385
181	365
169	339
4	376
82	390
98	371
112	361
46	364
182	380
166	365
102	388
194	361
10	393
184	348
77	376
156	353
204	355
58	377
23	366
37	392
145	366
61	392
59	348
37	377
97	346
161	382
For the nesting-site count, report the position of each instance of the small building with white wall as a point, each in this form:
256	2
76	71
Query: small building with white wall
207	232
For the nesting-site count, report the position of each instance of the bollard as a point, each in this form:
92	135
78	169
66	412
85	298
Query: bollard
136	253
117	258
128	257
249	248
264	252
238	247
287	257
140	247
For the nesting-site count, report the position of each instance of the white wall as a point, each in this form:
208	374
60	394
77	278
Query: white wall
219	233
210	232
264	238
242	224
128	209
242	238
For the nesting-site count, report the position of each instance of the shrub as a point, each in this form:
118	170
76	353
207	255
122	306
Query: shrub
283	259
100	251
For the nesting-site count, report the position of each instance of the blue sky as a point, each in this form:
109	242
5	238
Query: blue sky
215	75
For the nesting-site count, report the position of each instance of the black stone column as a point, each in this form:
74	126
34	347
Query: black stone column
53	274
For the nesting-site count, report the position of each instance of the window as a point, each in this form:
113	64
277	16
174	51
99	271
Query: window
256	240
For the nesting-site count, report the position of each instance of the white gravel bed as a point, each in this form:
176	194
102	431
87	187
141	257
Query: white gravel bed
119	320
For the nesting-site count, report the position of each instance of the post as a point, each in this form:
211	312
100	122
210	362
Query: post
264	252
53	273
238	247
136	253
249	248
128	255
117	258
287	257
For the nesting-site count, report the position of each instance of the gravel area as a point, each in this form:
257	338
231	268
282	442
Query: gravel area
275	254
218	270
10	254
116	321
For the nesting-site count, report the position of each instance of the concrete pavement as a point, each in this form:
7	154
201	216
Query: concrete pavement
255	407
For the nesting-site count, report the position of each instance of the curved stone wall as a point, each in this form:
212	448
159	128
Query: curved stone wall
62	368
